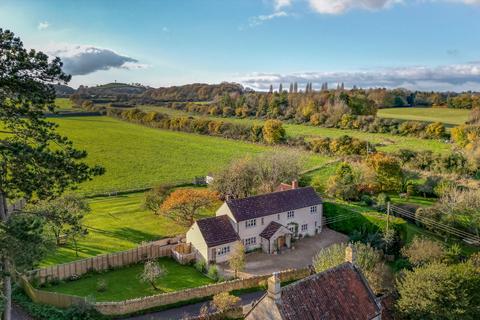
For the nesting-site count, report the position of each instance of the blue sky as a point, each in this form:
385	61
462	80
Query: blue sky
424	44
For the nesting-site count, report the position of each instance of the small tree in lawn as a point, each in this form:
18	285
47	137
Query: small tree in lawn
237	258
155	197
152	271
64	215
184	204
225	301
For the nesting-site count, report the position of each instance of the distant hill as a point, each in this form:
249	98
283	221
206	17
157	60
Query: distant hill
63	91
111	89
191	92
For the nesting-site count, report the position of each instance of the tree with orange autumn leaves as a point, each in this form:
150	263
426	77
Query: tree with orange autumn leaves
183	205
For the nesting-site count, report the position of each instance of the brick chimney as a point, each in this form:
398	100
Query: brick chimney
294	184
274	291
350	254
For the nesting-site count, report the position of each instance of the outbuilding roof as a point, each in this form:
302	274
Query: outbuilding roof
338	293
217	231
272	203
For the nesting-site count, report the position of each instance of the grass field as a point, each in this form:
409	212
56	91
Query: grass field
387	142
116	224
64	104
136	156
124	283
445	115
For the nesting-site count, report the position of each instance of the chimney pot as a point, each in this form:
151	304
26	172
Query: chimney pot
294	184
350	254
274	287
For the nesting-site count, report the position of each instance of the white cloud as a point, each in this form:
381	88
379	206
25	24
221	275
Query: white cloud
447	77
165	29
255	21
279	4
43	25
341	6
84	59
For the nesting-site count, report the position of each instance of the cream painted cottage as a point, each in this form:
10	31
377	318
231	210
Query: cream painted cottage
268	221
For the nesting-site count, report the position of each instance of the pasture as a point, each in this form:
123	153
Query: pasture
116	224
444	115
139	157
386	142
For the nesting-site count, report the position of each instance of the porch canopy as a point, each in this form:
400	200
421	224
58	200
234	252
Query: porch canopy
275	237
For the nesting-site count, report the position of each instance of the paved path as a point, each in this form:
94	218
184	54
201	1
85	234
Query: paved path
192	310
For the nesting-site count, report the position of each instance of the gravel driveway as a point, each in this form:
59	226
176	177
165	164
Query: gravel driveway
259	263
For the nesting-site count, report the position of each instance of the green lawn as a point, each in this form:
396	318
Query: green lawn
137	157
388	142
445	115
116	224
124	283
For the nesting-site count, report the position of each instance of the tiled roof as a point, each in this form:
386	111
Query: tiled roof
338	293
217	231
272	203
270	230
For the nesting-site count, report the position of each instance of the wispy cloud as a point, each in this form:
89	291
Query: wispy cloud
258	20
279	4
84	59
447	77
342	6
43	25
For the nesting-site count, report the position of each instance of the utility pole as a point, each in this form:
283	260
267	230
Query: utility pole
388	213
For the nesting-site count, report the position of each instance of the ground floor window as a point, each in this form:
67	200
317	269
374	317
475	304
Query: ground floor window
223	250
291	228
250	241
304	227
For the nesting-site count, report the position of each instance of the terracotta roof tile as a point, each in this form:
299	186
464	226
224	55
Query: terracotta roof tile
338	293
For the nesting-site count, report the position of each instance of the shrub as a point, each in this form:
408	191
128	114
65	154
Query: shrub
201	266
367	200
213	272
102	285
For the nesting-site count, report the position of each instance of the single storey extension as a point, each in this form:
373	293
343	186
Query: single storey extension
268	222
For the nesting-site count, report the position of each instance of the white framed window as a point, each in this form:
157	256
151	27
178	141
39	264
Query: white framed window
291	228
313	209
223	251
250	241
290	214
304	227
250	223
263	222
278	216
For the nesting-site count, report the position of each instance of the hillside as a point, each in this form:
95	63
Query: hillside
191	92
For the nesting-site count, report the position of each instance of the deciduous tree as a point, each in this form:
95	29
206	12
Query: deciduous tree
237	258
184	204
152	272
273	132
224	301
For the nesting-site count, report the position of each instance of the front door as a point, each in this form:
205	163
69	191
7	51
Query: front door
281	242
213	257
